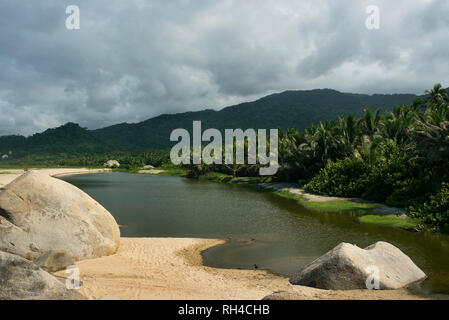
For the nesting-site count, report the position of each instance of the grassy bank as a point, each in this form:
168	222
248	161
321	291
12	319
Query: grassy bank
168	170
368	212
171	170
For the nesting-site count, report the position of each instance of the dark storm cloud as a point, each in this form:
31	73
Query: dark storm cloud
137	59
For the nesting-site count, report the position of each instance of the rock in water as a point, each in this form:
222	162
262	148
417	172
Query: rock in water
348	267
20	279
39	214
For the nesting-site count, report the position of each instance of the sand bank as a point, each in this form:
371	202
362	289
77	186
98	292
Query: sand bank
151	171
172	268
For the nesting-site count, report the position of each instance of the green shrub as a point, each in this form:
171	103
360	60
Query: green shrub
343	178
382	179
435	211
398	181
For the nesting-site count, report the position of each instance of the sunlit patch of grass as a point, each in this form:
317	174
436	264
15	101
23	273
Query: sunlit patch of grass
360	207
217	177
366	211
389	220
223	177
171	170
289	195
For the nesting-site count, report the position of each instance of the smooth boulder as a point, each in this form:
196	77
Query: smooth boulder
20	279
111	164
39	214
348	267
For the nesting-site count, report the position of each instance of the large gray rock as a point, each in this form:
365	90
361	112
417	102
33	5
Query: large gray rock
20	279
39	214
349	267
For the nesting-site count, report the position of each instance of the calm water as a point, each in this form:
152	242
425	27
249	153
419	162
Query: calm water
265	229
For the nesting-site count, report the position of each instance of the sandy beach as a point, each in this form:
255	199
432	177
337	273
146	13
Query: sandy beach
172	268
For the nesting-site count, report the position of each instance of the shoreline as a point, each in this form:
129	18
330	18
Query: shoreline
8	175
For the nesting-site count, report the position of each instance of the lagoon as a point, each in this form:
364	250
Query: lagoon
265	230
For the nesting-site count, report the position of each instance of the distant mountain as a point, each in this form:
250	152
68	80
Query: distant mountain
298	109
289	109
68	139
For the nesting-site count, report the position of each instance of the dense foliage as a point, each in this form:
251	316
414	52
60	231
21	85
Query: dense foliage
127	160
400	157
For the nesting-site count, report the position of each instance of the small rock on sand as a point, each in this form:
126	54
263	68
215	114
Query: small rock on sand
111	164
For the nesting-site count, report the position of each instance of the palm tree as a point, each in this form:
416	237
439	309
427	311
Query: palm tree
369	123
437	94
349	128
396	123
432	140
367	151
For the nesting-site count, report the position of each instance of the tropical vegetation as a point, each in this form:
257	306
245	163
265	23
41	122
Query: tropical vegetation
399	157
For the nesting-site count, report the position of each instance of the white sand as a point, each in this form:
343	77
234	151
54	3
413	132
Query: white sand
151	171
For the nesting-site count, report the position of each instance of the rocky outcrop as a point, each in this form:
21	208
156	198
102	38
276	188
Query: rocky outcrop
20	279
40	214
349	267
111	164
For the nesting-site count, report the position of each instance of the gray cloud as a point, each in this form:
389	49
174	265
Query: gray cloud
137	59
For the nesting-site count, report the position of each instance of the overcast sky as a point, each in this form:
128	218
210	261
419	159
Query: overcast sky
135	59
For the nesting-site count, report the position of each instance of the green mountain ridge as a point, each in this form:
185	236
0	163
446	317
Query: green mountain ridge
296	109
67	139
289	109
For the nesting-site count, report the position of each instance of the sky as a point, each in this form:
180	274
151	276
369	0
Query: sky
136	59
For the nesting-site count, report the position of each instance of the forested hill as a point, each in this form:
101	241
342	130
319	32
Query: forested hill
67	139
290	109
297	109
